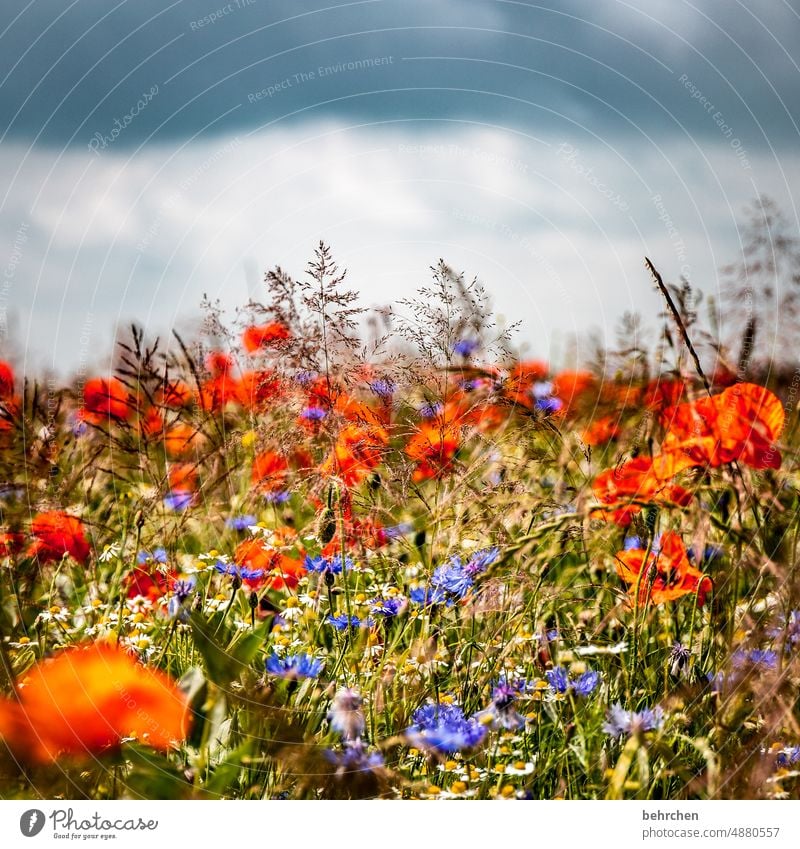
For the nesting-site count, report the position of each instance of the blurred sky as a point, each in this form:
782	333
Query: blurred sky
153	151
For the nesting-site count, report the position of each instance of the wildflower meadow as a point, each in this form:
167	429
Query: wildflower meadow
318	551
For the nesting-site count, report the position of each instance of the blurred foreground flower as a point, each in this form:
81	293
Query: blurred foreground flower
85	701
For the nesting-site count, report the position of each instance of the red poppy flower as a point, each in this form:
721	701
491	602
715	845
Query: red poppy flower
256	338
674	574
56	534
568	386
6	381
148	583
11	543
107	400
151	423
85	700
358	450
183	477
517	388
182	440
742	423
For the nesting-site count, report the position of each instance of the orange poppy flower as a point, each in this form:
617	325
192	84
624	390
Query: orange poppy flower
270	471
601	431
182	440
85	700
107	400
638	479
358	450
219	391
433	447
278	571
175	394
256	388
256	338
568	386
523	376
151	423
183	477
663	393
674	574
742	423
56	534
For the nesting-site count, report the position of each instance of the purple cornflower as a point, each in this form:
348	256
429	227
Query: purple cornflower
346	715
294	667
452	578
398	531
466	347
324	565
443	728
679	657
549	405
388	607
240	523
178	500
789	756
304	378
558	679
181	592
623	723
481	560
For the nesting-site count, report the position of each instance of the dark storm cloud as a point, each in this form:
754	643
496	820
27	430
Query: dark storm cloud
152	70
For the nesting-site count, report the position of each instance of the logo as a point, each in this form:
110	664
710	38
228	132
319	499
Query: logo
31	822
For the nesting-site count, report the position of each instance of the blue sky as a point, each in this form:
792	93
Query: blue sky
154	151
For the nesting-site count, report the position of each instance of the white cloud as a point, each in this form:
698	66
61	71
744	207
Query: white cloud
557	236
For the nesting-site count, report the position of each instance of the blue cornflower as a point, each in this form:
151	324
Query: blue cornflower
431	410
278	496
322	564
632	543
482	560
501	712
549	405
388	607
620	722
789	756
294	666
236	571
182	591
313	414
584	685
764	658
710	554
158	555
398	531
342	622
354	758
542	389
178	500
426	596
466	347
558	679
444	728
453	578
240	523
561	682
383	387
304	378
